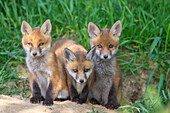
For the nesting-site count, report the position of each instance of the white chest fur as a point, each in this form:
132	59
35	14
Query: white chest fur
39	68
79	86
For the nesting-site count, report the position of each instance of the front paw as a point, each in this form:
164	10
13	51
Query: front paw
103	103
80	101
48	102
75	100
35	100
112	106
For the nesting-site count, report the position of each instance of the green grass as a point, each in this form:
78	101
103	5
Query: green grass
146	28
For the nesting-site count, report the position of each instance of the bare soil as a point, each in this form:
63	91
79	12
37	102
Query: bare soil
17	105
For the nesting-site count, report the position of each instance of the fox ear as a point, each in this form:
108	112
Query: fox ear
46	27
93	30
91	53
69	55
116	29
25	28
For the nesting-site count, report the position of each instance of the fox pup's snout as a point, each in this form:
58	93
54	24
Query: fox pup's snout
81	80
35	51
105	53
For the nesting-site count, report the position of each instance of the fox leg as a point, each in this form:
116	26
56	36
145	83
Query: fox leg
49	95
36	98
83	95
74	95
112	99
91	97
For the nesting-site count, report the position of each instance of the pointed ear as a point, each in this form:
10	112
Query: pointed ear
25	28
46	27
116	29
69	55
91	53
93	30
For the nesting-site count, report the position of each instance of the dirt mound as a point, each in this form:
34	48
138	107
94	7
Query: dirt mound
17	105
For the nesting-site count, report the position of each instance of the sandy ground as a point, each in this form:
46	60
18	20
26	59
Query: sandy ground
16	105
131	91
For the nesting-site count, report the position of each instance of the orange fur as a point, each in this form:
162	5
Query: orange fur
80	63
47	62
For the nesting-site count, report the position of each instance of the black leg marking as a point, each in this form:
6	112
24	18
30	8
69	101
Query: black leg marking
49	96
42	98
112	99
74	94
83	95
36	98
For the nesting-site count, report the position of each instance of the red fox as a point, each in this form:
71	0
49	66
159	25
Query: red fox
45	82
77	65
107	71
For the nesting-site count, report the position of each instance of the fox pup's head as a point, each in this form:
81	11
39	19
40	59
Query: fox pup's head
37	41
105	40
79	65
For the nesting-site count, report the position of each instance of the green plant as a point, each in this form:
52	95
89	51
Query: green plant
144	40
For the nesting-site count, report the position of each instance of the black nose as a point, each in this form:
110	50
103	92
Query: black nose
81	81
34	54
105	56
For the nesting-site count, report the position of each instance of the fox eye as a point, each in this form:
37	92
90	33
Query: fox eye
86	70
30	44
110	46
75	70
99	46
41	44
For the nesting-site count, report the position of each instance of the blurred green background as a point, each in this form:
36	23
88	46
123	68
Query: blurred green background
144	40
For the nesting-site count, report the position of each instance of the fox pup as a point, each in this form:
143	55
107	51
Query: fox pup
77	65
107	71
42	64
